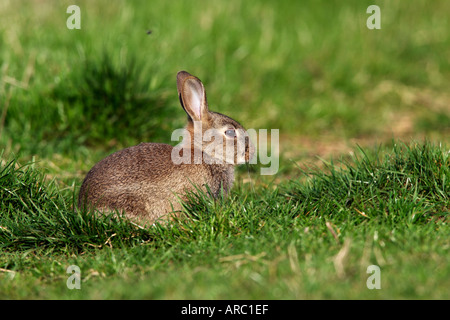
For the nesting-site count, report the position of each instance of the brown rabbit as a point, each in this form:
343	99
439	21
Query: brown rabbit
147	180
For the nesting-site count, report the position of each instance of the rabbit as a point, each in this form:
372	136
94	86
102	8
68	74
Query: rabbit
147	181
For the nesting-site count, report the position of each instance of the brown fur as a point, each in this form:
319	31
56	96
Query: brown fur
145	183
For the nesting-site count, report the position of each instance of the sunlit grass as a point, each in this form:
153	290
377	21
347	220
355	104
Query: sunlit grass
388	209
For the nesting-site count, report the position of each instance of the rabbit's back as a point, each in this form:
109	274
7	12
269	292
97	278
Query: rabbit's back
130	166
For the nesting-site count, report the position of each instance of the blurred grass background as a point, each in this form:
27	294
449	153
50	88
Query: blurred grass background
311	69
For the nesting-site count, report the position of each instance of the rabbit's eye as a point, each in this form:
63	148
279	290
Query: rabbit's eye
230	133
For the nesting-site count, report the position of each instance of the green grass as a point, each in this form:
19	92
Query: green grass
306	68
313	237
311	69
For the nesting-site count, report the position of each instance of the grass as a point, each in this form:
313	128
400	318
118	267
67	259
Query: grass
297	53
307	238
311	69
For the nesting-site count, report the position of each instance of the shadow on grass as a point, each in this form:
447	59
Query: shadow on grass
107	101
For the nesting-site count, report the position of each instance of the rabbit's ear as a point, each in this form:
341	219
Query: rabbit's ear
192	96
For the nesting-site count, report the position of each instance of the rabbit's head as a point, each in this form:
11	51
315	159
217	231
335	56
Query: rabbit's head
220	138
